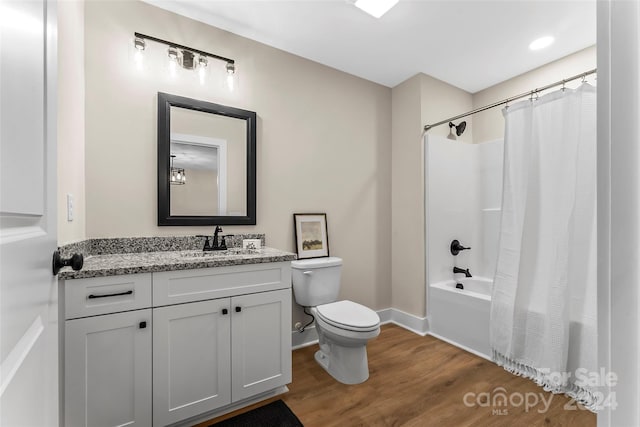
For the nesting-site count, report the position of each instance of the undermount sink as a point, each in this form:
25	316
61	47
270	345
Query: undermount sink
226	252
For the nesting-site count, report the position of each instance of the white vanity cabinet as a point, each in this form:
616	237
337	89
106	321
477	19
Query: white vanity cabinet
108	356
191	360
260	343
157	349
211	353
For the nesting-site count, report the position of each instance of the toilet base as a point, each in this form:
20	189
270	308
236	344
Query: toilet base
322	360
347	365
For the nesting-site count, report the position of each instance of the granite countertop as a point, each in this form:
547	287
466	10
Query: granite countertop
147	262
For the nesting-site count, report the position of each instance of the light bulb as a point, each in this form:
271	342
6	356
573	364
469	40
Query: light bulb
202	71
138	56
173	60
231	69
178	176
230	82
138	59
139	43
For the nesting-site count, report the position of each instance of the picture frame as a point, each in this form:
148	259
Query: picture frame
312	239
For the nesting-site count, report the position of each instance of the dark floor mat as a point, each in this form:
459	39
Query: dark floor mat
275	414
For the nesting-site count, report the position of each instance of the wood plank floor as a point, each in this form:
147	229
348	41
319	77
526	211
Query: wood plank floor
420	381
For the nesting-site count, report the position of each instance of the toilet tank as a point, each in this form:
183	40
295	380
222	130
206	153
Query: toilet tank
316	281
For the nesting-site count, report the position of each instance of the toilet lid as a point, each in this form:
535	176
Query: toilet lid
349	315
307	264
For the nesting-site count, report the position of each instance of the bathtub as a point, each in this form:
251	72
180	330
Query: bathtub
461	316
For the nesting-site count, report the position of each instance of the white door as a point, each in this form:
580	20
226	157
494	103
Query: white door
28	289
260	342
191	360
108	370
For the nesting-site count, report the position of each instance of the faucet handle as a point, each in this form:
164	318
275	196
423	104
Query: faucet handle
456	247
207	245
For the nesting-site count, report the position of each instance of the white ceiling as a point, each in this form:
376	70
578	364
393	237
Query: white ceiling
194	156
469	44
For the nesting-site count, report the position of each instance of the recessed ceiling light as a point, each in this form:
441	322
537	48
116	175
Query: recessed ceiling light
541	43
376	8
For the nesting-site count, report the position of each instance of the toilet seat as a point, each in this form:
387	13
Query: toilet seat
349	316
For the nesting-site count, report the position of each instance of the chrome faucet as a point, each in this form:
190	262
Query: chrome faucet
461	270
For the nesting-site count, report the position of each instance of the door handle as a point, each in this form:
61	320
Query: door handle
238	309
76	261
225	311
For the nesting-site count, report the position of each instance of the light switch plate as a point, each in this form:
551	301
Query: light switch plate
69	207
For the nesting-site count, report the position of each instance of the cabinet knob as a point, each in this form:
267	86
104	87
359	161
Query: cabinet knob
142	325
238	309
225	311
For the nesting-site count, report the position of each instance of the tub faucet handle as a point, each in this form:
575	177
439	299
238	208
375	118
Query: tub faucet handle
456	247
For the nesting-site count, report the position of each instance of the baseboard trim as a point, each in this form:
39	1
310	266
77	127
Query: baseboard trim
460	346
410	322
304	339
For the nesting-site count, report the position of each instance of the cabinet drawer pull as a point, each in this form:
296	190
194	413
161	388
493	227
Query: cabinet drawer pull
92	296
142	325
224	311
238	309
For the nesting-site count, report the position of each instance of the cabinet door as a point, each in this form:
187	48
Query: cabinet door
191	360
108	370
261	342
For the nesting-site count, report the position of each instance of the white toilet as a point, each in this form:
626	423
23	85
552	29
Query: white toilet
343	327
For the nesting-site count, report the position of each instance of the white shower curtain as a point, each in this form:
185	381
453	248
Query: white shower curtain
543	312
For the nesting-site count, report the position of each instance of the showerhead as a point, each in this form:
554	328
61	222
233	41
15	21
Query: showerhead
459	129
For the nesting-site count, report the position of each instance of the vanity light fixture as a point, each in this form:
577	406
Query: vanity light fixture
173	54
139	44
188	60
177	175
187	57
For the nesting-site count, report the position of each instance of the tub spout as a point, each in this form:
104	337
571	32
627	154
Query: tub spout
461	270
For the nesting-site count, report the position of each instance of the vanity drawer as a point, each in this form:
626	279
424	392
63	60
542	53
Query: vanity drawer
175	287
102	295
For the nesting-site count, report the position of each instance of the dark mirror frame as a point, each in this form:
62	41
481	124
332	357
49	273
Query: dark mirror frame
165	102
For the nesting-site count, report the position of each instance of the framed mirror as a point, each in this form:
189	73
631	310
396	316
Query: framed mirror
206	163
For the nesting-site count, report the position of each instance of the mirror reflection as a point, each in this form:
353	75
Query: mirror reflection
206	163
211	152
203	193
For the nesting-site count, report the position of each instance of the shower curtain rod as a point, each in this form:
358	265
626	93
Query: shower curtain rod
513	98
